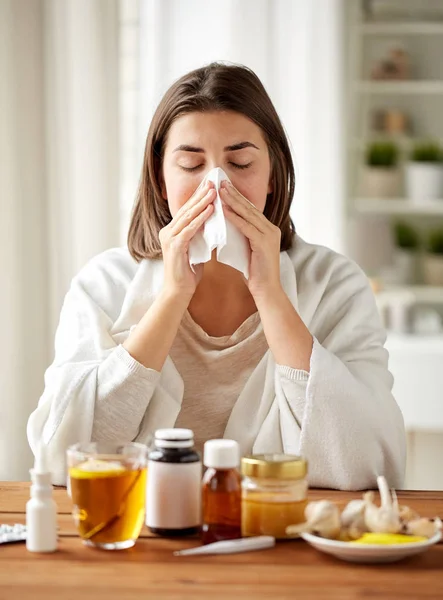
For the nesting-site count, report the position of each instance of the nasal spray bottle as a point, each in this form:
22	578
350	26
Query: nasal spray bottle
41	510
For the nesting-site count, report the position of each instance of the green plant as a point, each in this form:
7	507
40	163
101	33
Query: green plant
406	237
429	152
435	241
382	154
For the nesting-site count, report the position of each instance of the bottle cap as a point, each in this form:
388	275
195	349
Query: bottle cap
174	438
276	466
174	434
221	454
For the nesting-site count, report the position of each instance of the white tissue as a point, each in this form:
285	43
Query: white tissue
218	233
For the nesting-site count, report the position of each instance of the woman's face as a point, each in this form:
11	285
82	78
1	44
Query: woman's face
198	142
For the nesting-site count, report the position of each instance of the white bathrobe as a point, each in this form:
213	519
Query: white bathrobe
345	421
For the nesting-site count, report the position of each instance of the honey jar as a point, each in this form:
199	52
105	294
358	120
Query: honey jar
274	493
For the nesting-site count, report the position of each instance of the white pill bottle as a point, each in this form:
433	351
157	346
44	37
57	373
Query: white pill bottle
173	498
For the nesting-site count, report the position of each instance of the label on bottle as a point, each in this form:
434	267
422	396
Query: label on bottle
173	497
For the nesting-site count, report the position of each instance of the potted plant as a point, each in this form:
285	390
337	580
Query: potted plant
405	254
381	177
424	172
433	259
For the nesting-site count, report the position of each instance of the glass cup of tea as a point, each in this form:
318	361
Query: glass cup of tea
107	484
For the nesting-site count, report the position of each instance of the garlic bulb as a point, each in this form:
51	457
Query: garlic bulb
386	518
322	518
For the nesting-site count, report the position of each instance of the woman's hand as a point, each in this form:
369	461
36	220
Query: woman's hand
175	239
264	240
289	339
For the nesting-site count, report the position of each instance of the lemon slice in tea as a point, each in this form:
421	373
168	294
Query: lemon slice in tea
95	468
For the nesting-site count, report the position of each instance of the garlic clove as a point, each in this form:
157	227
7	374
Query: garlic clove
407	514
383	519
295	531
353	518
385	494
380	520
353	510
357	528
317	510
424	527
322	518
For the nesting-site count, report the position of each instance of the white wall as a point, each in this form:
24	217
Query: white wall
424	469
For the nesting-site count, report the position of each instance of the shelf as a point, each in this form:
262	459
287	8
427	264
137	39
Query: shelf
398	206
403	141
405	28
400	87
426	344
427	294
423	294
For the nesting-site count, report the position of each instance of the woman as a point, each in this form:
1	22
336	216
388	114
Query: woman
289	360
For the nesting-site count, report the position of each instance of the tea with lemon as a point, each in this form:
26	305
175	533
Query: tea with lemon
109	500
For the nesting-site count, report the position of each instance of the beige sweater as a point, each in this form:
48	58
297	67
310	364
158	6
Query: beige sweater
214	372
342	416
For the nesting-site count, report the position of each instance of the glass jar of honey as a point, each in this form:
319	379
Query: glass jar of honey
274	493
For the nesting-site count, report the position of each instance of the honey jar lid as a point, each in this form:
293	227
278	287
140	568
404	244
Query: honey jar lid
277	466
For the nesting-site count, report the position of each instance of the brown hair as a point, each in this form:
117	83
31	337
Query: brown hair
216	87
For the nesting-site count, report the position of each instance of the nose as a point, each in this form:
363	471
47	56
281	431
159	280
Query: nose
217	176
210	166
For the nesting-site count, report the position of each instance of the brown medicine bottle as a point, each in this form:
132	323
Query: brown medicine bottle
221	493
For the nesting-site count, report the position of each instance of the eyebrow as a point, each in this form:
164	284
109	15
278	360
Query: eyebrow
233	148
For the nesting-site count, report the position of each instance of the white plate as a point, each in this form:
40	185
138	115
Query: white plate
369	553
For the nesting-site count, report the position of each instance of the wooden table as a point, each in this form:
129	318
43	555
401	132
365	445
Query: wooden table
149	570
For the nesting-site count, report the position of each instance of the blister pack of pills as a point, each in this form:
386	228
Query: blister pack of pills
12	533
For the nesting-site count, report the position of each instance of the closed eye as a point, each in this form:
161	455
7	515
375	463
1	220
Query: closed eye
235	165
190	169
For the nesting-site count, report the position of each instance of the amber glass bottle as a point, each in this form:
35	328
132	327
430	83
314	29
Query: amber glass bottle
221	494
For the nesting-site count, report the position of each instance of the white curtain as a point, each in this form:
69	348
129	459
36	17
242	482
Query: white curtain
58	184
295	47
